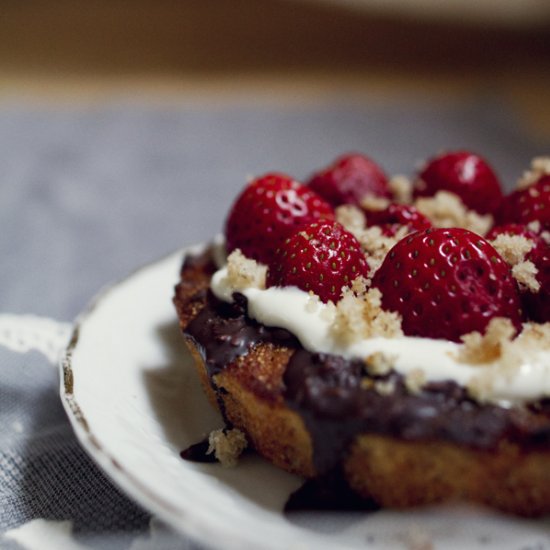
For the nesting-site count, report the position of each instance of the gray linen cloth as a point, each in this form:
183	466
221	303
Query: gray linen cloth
89	193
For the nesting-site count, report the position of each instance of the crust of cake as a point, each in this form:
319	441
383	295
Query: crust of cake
276	432
395	473
507	478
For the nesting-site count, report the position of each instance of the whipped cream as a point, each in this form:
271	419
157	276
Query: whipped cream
311	321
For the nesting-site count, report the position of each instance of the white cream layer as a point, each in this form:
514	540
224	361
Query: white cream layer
292	309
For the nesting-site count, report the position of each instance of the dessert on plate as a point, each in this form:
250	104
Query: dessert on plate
394	331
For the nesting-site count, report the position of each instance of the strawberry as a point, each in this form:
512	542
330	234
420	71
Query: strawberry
322	257
528	205
536	302
446	283
465	174
396	216
268	210
349	179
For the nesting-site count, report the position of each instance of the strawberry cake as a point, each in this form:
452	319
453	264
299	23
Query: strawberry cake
393	330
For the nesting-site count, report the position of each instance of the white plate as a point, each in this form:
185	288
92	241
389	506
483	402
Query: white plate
134	402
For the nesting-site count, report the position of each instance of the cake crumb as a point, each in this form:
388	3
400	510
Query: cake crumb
384	387
373	202
414	380
485	348
401	188
243	272
540	166
379	363
525	273
376	245
227	445
360	316
351	217
500	354
513	249
446	209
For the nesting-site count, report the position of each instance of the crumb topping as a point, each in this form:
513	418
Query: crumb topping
540	166
242	272
525	273
486	348
445	209
372	202
227	445
415	380
379	364
384	387
514	249
360	316
401	188
376	245
500	353
351	217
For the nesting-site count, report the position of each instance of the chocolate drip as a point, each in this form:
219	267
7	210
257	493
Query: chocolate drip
328	492
198	452
338	401
223	332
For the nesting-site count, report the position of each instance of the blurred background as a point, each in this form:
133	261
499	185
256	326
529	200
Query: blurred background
87	49
121	120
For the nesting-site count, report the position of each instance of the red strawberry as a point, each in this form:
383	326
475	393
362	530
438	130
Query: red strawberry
322	257
528	205
464	173
537	303
396	216
268	210
446	283
349	179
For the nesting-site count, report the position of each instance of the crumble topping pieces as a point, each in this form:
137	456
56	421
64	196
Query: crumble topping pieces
377	245
374	243
486	348
242	272
445	209
384	387
540	166
379	363
359	315
227	445
402	189
415	380
498	344
372	202
351	217
513	249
